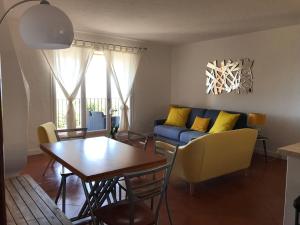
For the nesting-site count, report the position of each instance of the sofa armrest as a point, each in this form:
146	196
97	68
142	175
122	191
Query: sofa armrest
164	145
188	163
159	122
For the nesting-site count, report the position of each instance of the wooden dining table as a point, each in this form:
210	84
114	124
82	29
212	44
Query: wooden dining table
100	162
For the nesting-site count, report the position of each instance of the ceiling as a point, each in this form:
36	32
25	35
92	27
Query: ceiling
175	21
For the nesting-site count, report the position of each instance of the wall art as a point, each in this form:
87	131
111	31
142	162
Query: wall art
229	76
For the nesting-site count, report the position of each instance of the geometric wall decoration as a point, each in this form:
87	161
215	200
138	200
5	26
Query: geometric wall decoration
229	76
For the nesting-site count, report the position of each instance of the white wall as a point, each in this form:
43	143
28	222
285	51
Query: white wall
276	70
14	104
153	74
152	88
39	80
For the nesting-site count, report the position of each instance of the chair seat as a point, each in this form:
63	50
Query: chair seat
119	214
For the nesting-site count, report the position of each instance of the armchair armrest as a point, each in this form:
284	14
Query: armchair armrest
159	122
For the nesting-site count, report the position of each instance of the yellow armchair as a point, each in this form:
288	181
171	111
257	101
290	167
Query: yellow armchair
213	155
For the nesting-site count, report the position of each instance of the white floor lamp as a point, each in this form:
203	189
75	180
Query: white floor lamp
42	27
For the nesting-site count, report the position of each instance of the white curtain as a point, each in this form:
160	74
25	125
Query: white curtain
122	67
68	67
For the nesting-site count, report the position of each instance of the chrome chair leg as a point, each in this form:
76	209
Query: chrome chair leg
47	167
62	191
168	208
59	191
64	180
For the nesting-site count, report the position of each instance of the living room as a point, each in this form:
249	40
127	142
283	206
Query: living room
177	41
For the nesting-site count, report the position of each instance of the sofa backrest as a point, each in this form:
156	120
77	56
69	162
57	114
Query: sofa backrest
193	114
213	114
242	121
227	152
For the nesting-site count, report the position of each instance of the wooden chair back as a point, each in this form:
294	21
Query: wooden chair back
154	188
67	134
168	151
47	133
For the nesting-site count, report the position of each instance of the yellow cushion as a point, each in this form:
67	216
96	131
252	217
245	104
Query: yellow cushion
177	116
224	122
200	124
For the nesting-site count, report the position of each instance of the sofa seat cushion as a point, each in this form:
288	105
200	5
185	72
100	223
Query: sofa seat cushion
187	136
167	131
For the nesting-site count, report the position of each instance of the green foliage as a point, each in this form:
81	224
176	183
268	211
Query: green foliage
91	106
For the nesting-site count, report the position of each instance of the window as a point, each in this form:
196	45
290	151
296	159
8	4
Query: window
96	95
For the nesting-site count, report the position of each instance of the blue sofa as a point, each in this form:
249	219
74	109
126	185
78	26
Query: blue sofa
183	135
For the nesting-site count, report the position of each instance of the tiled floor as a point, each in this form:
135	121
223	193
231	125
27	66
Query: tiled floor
237	199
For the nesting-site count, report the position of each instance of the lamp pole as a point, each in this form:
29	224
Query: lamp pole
2	186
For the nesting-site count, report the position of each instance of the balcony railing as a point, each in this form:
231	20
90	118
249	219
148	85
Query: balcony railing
92	104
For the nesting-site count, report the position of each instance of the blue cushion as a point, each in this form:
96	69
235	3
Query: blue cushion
195	112
212	114
168	131
187	136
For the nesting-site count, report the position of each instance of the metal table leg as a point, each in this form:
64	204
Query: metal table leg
99	192
87	196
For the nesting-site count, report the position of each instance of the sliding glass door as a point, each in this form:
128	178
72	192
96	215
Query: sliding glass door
96	95
97	105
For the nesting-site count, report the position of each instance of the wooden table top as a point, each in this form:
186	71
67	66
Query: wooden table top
293	149
100	157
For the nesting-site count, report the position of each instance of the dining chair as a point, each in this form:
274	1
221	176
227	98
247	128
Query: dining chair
134	210
134	139
47	133
169	151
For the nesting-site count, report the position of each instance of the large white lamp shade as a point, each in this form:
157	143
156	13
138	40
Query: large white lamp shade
45	26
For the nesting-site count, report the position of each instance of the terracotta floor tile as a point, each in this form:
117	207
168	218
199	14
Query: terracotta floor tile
237	199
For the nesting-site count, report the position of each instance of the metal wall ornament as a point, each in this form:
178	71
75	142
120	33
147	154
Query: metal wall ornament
229	76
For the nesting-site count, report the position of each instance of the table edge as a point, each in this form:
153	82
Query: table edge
103	176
